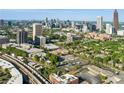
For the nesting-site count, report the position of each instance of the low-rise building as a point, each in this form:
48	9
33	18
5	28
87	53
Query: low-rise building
64	79
26	45
69	37
51	46
120	32
60	52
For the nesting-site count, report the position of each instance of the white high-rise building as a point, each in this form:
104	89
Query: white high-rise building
42	41
85	28
72	24
69	38
37	30
99	22
109	29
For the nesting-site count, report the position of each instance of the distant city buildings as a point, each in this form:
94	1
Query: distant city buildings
21	37
1	22
115	20
85	28
3	40
37	30
9	23
93	28
78	27
46	22
72	24
99	22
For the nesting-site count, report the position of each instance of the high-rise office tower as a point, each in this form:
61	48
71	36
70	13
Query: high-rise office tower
93	27
109	29
9	23
46	22
115	20
85	28
1	22
22	37
37	30
99	22
72	24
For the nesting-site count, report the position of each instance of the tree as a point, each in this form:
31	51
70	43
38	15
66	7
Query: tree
102	31
102	78
122	58
62	38
36	58
48	70
98	60
53	58
106	59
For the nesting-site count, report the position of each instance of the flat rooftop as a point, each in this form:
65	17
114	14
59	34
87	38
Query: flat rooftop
51	46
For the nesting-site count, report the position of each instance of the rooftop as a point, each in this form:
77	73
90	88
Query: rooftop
51	46
64	79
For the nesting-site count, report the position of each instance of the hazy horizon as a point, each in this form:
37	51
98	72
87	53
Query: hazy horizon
62	14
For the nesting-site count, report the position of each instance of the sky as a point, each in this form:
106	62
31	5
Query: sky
62	14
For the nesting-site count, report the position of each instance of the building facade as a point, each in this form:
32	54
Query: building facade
115	20
42	41
85	28
109	29
99	22
37	30
1	22
3	40
120	32
22	37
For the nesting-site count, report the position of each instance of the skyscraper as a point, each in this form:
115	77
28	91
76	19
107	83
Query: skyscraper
109	29
72	24
46	22
1	22
115	20
99	22
22	37
93	27
85	28
37	30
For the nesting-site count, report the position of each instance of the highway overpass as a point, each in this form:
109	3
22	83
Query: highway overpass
33	75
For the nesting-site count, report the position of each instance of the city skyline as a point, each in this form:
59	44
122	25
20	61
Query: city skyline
62	14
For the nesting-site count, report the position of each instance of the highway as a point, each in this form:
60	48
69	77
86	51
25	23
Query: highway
34	76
